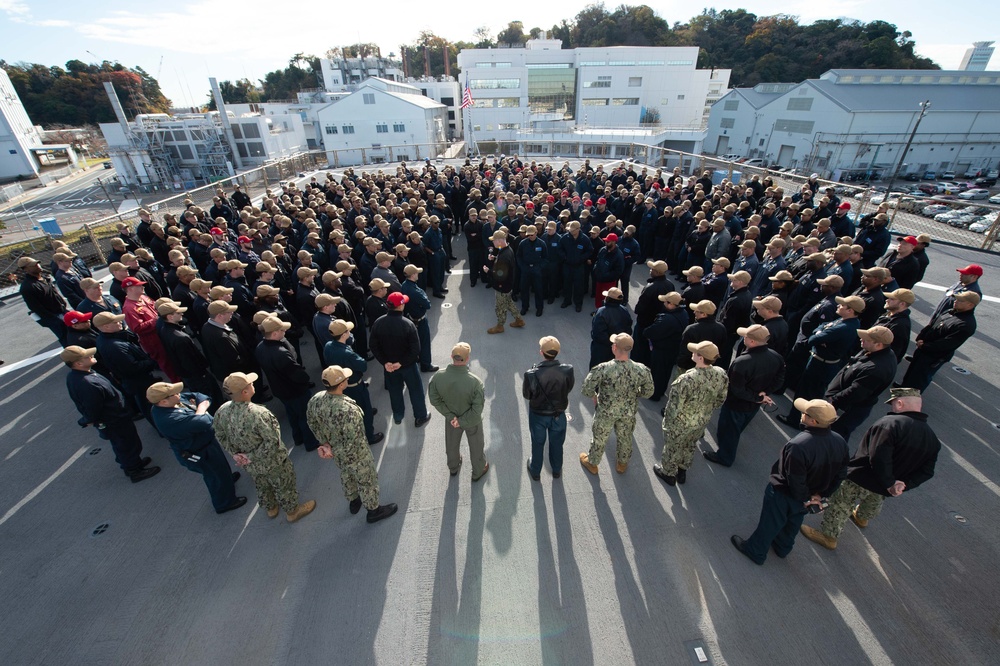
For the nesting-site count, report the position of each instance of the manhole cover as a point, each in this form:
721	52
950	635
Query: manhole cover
446	305
961	371
100	529
94	451
960	519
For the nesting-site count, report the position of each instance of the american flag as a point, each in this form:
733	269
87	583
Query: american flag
467	100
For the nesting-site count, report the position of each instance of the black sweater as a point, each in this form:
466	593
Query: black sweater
394	339
898	447
860	383
755	370
814	462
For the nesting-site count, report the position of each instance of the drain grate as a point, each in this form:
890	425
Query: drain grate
960	519
960	370
94	451
100	529
446	305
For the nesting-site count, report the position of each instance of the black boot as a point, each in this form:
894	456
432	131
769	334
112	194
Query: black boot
384	511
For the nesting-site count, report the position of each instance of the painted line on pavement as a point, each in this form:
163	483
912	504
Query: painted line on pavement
935	287
43	485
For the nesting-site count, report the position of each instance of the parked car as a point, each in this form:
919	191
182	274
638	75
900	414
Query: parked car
948	175
979	227
913	177
976	193
986	182
755	162
934	209
930	175
109	165
930	188
995	199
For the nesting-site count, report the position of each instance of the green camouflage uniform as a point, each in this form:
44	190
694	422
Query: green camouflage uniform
505	304
842	503
693	397
618	386
338	421
243	427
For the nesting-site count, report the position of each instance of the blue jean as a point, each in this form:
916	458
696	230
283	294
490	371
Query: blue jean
780	519
555	428
295	408
727	434
394	381
424	334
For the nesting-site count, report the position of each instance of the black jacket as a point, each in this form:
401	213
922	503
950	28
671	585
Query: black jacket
814	462
735	312
285	375
755	370
126	359
649	306
224	350
182	351
899	324
41	297
699	331
898	447
96	398
946	333
665	333
861	382
547	386
501	264
394	339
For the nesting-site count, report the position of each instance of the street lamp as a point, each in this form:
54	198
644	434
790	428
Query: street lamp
906	149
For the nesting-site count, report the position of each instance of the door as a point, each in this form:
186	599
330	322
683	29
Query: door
785	155
723	146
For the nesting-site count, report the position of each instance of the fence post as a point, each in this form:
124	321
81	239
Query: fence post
97	246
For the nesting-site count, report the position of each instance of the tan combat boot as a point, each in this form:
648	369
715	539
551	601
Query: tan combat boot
301	510
860	522
585	461
621	467
273	512
827	542
517	323
496	329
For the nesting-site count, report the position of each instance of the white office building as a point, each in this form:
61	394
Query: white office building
977	58
19	139
339	73
858	121
383	121
542	89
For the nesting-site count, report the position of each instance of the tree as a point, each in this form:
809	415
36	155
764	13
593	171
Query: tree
483	38
303	72
241	91
513	34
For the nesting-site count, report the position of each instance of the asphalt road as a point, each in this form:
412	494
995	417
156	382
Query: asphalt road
582	570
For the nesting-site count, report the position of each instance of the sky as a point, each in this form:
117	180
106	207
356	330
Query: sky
183	43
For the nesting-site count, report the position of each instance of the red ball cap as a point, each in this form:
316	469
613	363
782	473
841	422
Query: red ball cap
529	206
611	238
132	282
74	317
844	206
588	203
656	186
972	269
244	239
602	201
912	240
565	193
396	299
216	231
550	199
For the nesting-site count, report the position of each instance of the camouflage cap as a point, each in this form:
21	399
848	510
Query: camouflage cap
902	392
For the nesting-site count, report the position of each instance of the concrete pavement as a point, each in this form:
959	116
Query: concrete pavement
584	570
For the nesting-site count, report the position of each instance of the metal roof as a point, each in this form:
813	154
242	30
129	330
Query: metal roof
905	97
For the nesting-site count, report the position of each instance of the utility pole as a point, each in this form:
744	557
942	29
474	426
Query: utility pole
106	193
926	104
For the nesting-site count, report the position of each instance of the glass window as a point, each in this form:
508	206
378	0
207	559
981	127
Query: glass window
597	84
731	105
625	101
508	102
800	103
236	131
495	84
549	65
727	123
794	126
598	101
592	63
381	128
348	129
251	131
398	127
448	101
552	90
509	126
622	63
635	82
369	98
680	97
331	129
650	63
